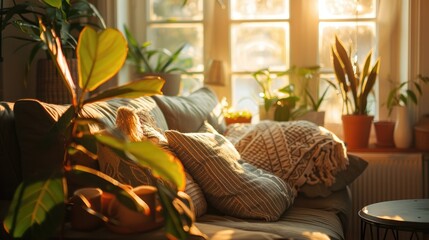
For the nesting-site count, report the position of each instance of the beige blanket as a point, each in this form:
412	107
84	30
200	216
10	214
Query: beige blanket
299	152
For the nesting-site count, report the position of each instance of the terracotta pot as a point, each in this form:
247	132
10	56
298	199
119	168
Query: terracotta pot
356	129
384	133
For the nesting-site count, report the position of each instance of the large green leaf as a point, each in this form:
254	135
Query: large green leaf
149	155
54	3
148	86
100	56
37	208
90	177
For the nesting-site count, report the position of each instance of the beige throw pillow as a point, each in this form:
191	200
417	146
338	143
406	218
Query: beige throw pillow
233	187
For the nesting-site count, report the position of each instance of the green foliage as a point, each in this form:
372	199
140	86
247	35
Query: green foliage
38	206
349	81
155	60
398	97
67	18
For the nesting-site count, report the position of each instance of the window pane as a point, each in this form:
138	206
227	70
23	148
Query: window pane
366	40
246	92
259	9
346	9
255	46
174	10
172	36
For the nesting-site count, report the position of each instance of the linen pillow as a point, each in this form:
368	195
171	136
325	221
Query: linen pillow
343	178
140	125
187	113
234	188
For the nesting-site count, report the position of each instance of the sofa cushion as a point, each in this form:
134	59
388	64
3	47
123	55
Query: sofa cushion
187	113
233	187
295	223
343	178
34	119
140	125
10	165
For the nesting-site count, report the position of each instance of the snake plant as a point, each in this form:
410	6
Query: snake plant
359	85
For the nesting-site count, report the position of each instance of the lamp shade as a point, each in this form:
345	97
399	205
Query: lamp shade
216	73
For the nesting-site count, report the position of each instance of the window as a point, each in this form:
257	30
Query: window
252	34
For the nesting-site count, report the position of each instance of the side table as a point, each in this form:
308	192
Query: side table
410	215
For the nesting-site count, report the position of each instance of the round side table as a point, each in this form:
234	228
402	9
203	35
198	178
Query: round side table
410	215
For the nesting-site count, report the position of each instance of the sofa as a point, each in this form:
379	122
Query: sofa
320	213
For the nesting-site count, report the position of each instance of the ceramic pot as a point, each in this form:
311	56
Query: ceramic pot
172	85
317	118
80	219
130	221
402	136
384	133
356	129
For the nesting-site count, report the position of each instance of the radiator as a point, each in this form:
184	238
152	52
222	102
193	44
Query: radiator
389	176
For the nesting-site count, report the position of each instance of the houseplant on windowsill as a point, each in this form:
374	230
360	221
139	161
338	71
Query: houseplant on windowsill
38	210
280	105
305	79
67	18
355	88
158	62
399	98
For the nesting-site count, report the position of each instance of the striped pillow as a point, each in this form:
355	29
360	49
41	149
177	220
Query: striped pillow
234	188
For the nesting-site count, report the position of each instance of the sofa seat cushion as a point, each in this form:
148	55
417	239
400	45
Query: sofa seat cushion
230	185
295	223
188	113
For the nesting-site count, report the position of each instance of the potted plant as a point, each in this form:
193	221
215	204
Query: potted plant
38	206
67	18
279	106
158	62
400	134
301	77
355	88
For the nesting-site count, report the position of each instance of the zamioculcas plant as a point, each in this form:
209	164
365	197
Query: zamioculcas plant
38	206
360	86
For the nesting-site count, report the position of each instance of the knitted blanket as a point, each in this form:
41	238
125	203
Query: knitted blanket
299	152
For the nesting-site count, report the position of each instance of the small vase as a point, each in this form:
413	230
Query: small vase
402	136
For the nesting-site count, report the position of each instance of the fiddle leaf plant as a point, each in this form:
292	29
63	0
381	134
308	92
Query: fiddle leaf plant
38	206
360	86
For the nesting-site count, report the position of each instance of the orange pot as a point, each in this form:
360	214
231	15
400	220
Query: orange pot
384	133
356	129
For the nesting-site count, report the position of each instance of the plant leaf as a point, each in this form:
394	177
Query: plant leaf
54	3
149	155
149	85
36	208
348	68
411	95
90	177
100	56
